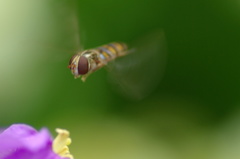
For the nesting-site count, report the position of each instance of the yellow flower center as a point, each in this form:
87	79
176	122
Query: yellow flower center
61	142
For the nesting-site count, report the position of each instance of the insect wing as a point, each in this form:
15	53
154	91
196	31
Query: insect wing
62	39
137	74
68	23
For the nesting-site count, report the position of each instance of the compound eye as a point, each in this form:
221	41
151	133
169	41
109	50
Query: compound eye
83	65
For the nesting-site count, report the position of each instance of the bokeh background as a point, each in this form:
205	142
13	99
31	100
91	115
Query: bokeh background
192	114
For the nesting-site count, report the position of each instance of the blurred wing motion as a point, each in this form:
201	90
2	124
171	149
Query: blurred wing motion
139	73
63	37
68	24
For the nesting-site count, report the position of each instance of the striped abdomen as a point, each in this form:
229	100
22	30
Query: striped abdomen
111	51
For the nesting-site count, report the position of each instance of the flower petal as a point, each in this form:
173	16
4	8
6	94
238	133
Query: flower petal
21	141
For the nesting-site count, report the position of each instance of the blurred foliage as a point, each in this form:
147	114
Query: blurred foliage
193	113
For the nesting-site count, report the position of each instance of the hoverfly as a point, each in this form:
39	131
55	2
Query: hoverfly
136	68
88	61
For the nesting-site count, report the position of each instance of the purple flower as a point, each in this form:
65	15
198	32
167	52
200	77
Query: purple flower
20	141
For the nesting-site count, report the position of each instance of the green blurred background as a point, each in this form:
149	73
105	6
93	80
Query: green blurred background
192	114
